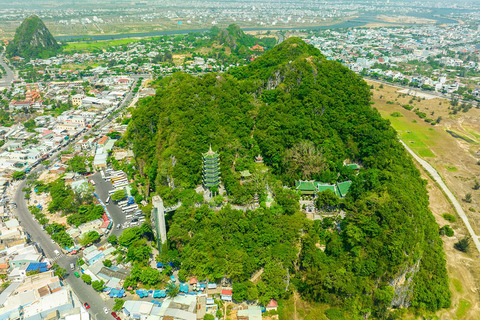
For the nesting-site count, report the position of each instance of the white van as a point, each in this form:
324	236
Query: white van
57	253
108	200
72	266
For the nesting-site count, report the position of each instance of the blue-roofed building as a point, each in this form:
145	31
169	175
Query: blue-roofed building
183	287
212	285
116	293
159	294
37	266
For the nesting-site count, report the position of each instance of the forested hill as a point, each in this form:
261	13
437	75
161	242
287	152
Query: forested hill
305	115
33	40
238	41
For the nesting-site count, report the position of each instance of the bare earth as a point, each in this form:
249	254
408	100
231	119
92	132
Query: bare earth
405	19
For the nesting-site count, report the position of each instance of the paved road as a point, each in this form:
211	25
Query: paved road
102	187
7	80
449	194
84	292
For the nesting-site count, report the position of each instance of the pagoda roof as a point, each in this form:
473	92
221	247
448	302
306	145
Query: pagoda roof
210	154
343	188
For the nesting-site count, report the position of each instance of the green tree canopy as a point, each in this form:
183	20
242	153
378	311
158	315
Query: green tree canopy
89	237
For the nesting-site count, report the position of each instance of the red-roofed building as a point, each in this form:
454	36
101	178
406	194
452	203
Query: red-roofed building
272	305
257	47
226	295
102	141
193	280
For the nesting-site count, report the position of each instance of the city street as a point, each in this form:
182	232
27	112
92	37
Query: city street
7	79
84	292
102	187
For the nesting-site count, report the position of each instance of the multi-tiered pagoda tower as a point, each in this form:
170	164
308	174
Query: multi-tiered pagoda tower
211	169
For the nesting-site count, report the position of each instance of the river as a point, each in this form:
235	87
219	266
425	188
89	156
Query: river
362	20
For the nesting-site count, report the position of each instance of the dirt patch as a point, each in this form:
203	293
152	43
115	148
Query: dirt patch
48	177
179	58
405	19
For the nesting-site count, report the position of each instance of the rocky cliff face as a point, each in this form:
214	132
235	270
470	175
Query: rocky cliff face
33	40
403	286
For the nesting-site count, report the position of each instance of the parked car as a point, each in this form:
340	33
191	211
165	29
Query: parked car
105	310
86	305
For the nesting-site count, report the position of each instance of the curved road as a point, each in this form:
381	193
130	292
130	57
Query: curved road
456	204
84	292
7	80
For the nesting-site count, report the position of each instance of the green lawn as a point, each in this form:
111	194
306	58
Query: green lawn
457	285
462	309
88	46
418	136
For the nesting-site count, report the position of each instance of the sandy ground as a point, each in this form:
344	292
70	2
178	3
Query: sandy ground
380	25
404	19
418	94
456	161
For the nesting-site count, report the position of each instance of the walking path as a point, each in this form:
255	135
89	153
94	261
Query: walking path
456	204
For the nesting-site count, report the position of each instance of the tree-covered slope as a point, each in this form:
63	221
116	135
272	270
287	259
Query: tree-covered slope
305	115
239	42
33	40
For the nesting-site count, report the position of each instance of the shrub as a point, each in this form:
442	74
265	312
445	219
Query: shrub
462	245
447	231
334	314
449	217
396	114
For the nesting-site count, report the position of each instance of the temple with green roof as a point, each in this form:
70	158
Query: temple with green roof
311	188
211	169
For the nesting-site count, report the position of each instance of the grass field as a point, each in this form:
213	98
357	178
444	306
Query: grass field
88	46
419	137
462	309
457	285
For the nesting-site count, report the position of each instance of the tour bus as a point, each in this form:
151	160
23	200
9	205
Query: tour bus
129	211
118	177
110	225
115	174
128	216
122	203
119	183
133	206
